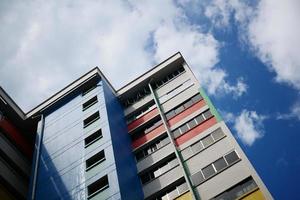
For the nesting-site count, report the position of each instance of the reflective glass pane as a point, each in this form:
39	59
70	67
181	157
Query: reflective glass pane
207	114
197	147
208	140
199	119
192	124
197	98
208	171
220	164
186	153
179	109
197	178
217	134
232	157
176	133
184	128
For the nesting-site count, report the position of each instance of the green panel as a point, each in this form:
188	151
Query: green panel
210	105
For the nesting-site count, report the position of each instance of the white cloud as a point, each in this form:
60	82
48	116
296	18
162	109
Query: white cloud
47	45
294	113
274	33
249	126
270	28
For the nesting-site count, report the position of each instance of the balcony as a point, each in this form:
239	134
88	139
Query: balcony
142	119
162	181
148	136
155	157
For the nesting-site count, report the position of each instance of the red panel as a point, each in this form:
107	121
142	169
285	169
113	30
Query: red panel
186	112
142	119
145	138
195	131
15	135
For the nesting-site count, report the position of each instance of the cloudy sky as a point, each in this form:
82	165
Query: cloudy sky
245	54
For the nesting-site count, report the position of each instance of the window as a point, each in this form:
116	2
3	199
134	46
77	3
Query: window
152	147
197	178
202	143
208	171
199	119
197	147
89	103
173	192
87	90
207	114
176	133
217	134
159	170
208	140
214	168
93	138
220	164
184	128
95	159
91	119
186	153
197	98
178	109
97	186
192	124
232	157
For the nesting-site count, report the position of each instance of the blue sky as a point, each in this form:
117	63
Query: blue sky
244	53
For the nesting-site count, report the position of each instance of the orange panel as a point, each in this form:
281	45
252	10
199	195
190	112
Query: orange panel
195	131
186	112
145	138
142	119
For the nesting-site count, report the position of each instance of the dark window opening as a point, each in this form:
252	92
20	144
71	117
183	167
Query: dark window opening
93	138
91	119
89	103
95	159
97	186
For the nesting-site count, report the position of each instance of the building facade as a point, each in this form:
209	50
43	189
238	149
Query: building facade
158	137
16	148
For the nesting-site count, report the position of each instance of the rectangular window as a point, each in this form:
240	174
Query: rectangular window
207	114
94	160
217	134
197	98
91	119
232	157
89	103
197	178
199	119
97	186
220	164
208	171
208	140
93	138
186	153
197	147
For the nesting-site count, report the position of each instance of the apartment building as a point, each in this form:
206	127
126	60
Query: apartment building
158	137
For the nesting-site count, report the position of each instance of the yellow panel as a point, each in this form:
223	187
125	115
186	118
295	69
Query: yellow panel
256	195
185	196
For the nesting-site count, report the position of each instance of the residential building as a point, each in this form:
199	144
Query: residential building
157	137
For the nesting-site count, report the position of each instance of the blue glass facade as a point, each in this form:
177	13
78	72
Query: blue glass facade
61	171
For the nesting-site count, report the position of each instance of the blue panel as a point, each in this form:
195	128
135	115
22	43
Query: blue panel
61	169
130	184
